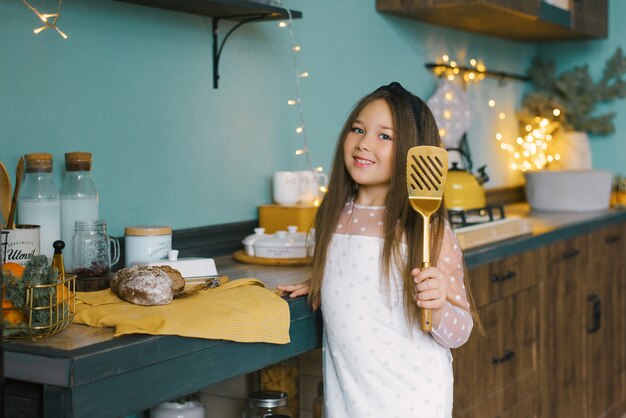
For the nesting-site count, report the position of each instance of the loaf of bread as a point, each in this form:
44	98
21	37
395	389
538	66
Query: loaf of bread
148	286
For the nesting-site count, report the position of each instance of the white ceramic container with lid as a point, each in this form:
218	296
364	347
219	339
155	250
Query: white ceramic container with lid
248	242
146	243
282	245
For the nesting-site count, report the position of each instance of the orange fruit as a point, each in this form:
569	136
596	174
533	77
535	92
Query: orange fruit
16	269
13	316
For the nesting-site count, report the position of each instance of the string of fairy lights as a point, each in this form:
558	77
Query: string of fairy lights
49	19
300	130
531	149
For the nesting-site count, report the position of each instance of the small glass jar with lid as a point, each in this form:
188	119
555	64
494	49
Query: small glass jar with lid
266	404
284	377
91	248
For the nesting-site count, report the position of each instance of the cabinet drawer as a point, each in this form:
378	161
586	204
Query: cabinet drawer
608	244
495	373
502	278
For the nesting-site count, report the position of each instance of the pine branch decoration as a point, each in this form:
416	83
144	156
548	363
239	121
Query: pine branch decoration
575	94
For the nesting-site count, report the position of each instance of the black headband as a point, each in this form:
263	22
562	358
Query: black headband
413	101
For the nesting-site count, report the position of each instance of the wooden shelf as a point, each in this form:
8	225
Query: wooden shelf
522	20
222	9
241	11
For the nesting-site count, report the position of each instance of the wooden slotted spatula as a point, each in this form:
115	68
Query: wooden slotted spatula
19	173
5	194
426	171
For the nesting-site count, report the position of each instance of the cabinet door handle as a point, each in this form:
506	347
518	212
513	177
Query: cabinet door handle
508	355
612	239
510	274
596	311
569	254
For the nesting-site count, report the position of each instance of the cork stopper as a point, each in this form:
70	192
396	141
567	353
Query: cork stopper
38	162
147	230
77	161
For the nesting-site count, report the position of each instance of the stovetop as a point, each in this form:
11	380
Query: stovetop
466	217
483	226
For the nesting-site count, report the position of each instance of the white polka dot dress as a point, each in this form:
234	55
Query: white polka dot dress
374	366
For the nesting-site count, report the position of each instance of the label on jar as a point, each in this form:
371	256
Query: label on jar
20	244
145	249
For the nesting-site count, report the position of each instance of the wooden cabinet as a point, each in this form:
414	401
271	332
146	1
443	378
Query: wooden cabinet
499	375
604	323
526	20
584	339
555	319
563	313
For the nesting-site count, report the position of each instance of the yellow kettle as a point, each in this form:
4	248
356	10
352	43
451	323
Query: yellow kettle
463	190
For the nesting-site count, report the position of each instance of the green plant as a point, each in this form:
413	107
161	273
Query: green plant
574	94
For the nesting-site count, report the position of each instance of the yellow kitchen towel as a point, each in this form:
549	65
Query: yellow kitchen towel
241	310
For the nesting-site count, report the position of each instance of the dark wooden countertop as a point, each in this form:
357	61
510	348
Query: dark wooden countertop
86	372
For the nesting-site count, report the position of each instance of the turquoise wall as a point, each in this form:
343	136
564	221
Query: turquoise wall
133	85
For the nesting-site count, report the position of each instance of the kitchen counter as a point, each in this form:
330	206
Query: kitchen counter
84	371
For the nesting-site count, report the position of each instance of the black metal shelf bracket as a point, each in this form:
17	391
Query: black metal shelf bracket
501	75
218	47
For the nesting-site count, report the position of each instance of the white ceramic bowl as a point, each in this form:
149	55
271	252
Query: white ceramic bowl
569	191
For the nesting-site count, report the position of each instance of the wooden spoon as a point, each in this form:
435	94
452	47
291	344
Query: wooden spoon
5	194
19	173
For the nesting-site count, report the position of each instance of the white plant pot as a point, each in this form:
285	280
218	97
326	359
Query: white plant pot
574	149
569	191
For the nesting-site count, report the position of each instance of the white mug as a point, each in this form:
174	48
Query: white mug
310	182
298	187
286	187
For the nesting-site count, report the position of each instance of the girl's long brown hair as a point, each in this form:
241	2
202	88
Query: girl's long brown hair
409	129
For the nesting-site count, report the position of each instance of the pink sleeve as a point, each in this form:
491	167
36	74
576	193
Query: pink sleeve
456	322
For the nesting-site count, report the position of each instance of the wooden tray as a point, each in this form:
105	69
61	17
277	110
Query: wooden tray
245	258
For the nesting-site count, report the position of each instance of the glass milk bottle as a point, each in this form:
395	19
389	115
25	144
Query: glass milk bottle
79	199
38	202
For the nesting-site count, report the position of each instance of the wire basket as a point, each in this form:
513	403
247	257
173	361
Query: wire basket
48	309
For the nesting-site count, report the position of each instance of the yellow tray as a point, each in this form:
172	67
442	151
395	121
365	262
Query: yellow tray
248	259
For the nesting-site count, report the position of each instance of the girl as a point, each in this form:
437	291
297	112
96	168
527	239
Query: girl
377	361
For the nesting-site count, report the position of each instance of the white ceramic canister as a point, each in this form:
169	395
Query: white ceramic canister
146	243
248	242
187	409
19	244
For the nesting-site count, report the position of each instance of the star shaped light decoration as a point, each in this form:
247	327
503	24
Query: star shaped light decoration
45	18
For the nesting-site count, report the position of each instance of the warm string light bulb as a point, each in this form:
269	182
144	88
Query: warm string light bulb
450	69
45	18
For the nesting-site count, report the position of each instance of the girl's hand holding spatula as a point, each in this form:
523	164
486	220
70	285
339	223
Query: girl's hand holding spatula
430	286
430	290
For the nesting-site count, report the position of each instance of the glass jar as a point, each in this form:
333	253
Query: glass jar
267	403
38	202
284	377
79	199
318	402
92	249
